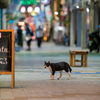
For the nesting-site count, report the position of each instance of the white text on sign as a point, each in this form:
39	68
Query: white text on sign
3	49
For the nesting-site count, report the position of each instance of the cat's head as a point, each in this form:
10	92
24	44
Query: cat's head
46	64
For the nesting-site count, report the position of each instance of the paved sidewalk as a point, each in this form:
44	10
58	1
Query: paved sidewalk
48	47
36	85
49	52
32	80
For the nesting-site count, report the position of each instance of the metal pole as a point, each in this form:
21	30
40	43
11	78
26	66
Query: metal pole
83	31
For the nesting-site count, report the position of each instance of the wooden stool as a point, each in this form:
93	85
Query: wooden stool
83	54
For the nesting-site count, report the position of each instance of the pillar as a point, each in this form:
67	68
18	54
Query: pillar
55	7
83	29
72	33
91	16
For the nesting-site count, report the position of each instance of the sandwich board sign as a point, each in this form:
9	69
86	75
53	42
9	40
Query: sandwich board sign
7	53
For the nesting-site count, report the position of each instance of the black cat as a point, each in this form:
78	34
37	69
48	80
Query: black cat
60	66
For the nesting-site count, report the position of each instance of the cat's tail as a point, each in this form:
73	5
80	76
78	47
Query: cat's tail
69	68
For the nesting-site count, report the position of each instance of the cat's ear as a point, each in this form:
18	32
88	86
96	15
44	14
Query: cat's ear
48	62
45	62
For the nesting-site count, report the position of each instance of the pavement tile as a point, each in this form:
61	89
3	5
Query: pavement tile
31	94
41	99
20	98
28	90
58	96
19	94
45	89
73	98
32	81
6	99
90	97
17	90
7	95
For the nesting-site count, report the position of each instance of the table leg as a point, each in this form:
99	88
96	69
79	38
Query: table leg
82	59
73	60
70	59
85	59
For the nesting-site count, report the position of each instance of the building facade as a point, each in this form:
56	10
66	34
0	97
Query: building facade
84	19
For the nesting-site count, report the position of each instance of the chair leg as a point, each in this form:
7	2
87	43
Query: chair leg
73	60
86	60
82	60
70	59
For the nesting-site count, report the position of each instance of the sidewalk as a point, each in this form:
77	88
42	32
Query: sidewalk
36	85
48	47
32	80
49	52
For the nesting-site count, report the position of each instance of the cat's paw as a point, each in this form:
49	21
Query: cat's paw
68	78
58	78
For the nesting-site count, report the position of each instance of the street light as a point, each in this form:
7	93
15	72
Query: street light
87	9
56	13
23	9
45	1
77	6
29	9
37	9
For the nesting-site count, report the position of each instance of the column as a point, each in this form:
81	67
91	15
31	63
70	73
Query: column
83	29
72	33
55	7
91	16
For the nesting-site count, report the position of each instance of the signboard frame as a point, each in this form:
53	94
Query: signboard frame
12	57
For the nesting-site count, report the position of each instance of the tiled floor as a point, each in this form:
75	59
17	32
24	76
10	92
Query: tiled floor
32	81
38	86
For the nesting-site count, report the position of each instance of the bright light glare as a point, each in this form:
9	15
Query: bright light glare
23	9
37	9
29	9
56	13
45	1
33	37
87	9
77	6
21	23
45	38
44	29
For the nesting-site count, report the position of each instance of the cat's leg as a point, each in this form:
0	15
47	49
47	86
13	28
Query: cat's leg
52	77
51	72
66	69
69	75
60	75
